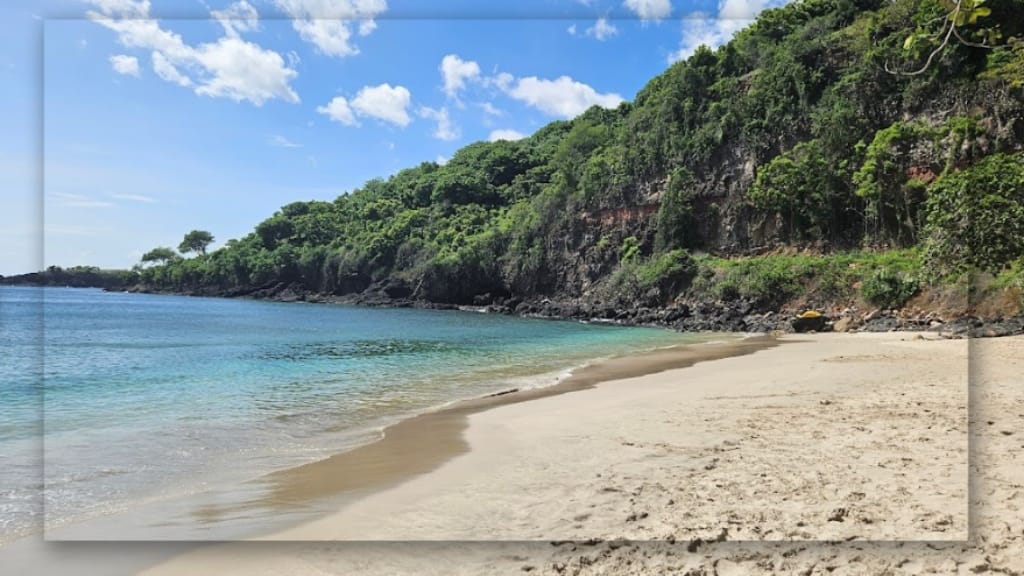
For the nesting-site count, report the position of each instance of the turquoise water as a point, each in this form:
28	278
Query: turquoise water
147	398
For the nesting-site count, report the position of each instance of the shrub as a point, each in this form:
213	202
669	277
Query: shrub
669	273
976	217
889	289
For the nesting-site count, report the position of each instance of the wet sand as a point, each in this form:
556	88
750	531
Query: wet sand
423	443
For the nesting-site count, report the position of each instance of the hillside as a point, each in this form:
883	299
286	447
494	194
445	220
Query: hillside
788	168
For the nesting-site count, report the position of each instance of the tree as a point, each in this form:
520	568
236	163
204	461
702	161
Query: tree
196	241
955	16
161	255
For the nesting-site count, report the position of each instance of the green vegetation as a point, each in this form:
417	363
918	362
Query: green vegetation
889	289
653	281
76	277
771	280
792	137
196	241
976	217
161	255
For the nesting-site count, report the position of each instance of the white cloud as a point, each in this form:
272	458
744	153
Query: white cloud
602	29
490	109
445	130
384	102
135	198
503	80
282	142
67	200
571	30
237	18
146	33
505	135
701	29
650	9
339	111
331	37
327	24
441	160
125	8
166	71
562	97
229	67
127	65
242	70
366	27
455	72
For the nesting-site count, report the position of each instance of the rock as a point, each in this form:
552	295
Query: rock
810	321
843	324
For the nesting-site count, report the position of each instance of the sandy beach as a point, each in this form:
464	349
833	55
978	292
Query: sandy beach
728	466
828	454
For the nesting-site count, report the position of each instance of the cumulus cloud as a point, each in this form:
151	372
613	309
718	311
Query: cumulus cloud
571	30
228	67
242	70
563	97
503	80
456	72
124	64
237	18
331	37
445	130
702	29
650	9
602	29
328	24
166	71
490	109
385	102
505	135
338	110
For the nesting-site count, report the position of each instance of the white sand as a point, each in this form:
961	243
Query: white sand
838	437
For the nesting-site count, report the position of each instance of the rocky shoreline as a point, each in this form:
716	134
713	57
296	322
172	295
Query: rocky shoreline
734	316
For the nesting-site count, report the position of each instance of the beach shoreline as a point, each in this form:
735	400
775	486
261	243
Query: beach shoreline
422	443
435	506
404	449
511	487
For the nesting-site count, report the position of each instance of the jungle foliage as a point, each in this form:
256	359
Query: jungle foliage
792	134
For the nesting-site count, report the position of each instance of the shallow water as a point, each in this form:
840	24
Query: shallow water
121	403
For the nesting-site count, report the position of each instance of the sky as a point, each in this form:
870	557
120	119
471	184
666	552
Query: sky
131	122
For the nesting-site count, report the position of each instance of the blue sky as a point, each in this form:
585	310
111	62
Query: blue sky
153	118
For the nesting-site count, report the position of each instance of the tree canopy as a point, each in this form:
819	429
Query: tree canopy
196	241
160	255
791	135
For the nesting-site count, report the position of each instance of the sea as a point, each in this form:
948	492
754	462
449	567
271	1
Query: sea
126	405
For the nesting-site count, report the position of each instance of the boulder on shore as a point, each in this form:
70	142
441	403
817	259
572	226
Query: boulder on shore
810	321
